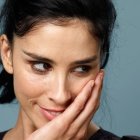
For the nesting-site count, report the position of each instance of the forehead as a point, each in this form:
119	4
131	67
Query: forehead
83	25
72	39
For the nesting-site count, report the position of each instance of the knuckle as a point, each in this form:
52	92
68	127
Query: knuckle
79	105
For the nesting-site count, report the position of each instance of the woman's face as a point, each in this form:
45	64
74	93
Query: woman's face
51	65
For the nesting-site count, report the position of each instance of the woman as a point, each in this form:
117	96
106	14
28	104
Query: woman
53	53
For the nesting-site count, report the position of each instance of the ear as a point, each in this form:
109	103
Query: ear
6	54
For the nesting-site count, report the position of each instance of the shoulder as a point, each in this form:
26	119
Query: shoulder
130	138
102	134
2	134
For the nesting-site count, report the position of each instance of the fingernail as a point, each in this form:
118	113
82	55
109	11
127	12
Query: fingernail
101	75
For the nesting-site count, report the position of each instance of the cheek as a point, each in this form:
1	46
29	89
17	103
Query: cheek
26	85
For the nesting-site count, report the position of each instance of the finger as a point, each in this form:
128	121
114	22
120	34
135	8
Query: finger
91	106
80	132
78	104
96	93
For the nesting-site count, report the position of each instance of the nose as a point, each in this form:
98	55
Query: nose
60	94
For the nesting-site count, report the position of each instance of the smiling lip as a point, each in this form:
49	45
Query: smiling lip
50	114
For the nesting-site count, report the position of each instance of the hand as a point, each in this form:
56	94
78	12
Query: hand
73	123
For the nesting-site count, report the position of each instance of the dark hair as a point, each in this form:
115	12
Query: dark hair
20	16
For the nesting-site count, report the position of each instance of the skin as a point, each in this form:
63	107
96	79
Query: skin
59	84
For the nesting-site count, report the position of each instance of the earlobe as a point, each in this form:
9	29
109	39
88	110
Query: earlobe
6	54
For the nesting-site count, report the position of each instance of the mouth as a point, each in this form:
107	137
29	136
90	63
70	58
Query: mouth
50	114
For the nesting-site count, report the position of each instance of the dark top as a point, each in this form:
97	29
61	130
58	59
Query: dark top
2	134
99	135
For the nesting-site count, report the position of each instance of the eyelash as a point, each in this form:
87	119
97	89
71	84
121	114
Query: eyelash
45	67
85	69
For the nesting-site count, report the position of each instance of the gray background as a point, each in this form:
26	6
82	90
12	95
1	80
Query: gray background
121	114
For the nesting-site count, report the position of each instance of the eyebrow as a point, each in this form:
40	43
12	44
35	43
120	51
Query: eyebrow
44	59
38	57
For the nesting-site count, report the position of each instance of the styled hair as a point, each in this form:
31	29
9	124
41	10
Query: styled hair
18	17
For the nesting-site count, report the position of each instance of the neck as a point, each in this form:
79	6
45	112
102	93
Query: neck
22	129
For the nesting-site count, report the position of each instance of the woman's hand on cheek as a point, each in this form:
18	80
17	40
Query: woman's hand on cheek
73	123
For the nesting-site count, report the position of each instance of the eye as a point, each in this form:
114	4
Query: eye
82	69
41	67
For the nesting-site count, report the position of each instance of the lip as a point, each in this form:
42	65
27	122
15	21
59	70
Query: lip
50	114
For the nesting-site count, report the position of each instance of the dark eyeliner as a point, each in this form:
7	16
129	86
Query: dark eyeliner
86	69
33	63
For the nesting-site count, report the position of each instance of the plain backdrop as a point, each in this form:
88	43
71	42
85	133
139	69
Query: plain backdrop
120	111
